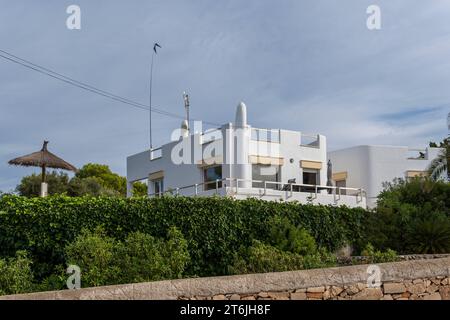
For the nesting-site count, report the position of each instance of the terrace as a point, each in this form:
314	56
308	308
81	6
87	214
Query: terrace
273	191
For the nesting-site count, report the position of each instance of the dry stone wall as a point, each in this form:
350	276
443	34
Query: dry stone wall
413	280
437	288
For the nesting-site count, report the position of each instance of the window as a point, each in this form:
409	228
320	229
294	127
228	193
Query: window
158	186
266	135
266	172
341	184
210	176
310	177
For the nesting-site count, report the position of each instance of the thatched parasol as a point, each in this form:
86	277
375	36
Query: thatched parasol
43	159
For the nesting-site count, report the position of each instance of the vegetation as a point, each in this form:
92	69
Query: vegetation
139	258
411	217
91	180
439	165
377	256
117	240
15	274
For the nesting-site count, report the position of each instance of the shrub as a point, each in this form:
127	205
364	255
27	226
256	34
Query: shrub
213	227
377	256
398	221
285	236
431	235
15	274
93	252
139	258
261	257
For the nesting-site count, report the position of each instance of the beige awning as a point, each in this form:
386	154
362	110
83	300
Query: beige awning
210	161
266	160
315	165
340	176
416	173
156	175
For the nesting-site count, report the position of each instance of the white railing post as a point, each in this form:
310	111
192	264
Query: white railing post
196	189
217	186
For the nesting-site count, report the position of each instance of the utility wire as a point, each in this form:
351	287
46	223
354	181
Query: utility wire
87	87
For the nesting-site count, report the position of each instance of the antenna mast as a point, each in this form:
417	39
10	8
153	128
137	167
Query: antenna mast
186	107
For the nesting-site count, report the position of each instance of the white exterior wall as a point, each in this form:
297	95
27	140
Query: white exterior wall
139	166
370	166
236	144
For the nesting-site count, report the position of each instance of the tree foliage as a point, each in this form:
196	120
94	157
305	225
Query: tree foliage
411	217
91	180
15	274
138	258
439	166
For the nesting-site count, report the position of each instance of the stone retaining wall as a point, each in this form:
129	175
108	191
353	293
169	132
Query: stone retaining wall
415	279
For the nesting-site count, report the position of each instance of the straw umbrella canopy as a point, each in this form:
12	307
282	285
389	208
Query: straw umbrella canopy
43	159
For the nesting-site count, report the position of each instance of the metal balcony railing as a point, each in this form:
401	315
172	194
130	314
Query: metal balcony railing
235	185
265	135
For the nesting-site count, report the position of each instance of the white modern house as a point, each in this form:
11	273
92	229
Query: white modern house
369	166
239	161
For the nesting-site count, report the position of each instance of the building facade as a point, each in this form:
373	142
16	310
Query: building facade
369	166
240	161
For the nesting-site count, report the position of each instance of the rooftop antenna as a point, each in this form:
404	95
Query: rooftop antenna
186	107
155	46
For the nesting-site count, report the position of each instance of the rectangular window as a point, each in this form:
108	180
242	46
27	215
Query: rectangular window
341	184
265	135
158	186
210	177
268	173
310	177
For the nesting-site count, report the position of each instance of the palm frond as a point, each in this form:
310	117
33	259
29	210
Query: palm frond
438	166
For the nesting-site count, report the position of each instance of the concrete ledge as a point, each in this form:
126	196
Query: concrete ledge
249	284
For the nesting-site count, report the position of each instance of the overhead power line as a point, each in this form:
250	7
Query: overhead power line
68	80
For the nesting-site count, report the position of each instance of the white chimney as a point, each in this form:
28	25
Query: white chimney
241	116
184	129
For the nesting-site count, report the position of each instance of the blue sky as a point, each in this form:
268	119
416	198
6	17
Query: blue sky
310	65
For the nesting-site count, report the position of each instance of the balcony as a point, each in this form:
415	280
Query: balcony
275	191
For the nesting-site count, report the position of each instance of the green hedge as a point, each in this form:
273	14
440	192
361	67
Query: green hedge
215	228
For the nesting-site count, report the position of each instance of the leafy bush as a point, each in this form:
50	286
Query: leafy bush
431	235
213	227
92	179
15	274
285	236
139	258
377	256
398	221
261	257
94	254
